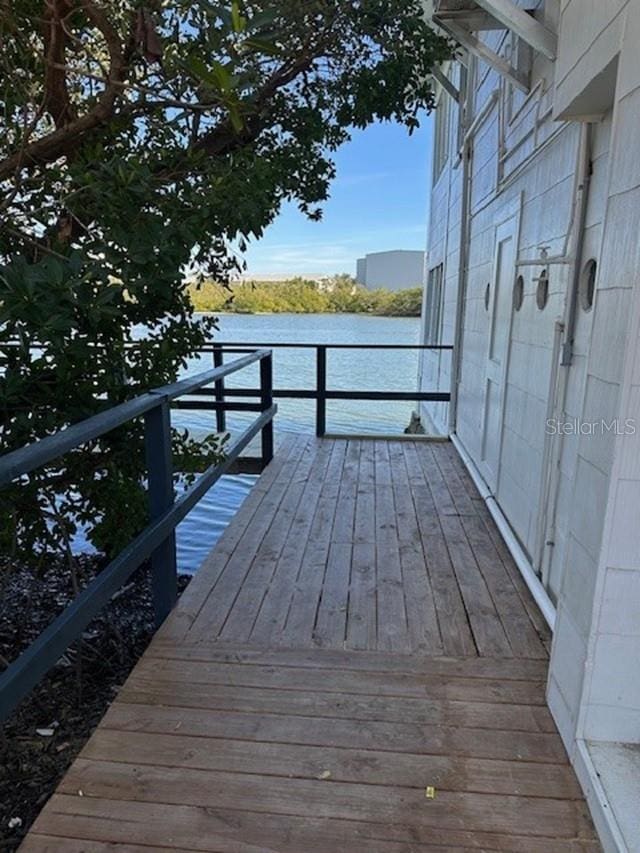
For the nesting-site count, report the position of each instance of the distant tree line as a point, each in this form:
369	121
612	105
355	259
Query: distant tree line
338	295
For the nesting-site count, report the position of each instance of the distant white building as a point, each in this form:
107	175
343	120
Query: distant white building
395	270
534	278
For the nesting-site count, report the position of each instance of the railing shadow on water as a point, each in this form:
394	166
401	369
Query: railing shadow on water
157	541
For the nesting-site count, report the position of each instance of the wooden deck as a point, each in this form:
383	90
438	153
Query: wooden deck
358	640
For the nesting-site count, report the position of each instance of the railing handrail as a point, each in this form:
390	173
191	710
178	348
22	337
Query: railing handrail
209	347
247	346
35	455
157	540
321	394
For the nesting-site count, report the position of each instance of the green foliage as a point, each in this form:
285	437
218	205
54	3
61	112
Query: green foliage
338	295
139	140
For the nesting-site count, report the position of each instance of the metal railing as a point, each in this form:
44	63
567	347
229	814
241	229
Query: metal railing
321	393
157	541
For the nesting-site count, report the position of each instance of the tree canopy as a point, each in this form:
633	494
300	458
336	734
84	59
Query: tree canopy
338	294
140	139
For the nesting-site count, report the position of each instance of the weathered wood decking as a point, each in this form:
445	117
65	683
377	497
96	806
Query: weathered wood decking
358	635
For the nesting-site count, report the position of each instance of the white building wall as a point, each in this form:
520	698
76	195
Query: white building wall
597	633
524	161
394	270
535	178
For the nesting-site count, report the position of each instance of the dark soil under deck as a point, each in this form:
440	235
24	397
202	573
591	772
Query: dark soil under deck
50	727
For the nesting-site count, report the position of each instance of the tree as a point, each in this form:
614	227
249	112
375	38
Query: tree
139	139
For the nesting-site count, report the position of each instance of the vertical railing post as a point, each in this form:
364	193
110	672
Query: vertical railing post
266	401
321	390
221	416
164	573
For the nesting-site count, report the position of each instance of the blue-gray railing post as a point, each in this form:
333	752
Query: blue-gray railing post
321	390
221	416
266	402
164	572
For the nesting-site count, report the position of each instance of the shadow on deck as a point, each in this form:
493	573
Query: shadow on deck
358	640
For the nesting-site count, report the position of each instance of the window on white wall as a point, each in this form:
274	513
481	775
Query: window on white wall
443	124
521	57
433	312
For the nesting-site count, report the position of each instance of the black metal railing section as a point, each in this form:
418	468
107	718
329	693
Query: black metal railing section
157	541
321	393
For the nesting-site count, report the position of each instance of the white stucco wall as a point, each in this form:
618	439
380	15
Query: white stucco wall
595	670
395	270
527	161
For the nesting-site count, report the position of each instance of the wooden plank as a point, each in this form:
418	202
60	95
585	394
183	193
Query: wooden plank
416	477
37	843
298	628
485	744
346	801
362	624
522	635
344	681
534	747
343	522
488	632
537	619
504	669
222	829
455	630
192	599
397	464
224	590
244	610
393	633
442	498
308	703
364	522
463	474
373	767
367	470
461	499
275	606
382	471
330	628
422	618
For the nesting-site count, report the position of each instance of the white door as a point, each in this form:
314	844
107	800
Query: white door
500	305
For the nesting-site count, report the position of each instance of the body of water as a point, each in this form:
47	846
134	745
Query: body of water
295	368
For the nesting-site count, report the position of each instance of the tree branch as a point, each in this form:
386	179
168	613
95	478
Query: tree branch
56	101
67	137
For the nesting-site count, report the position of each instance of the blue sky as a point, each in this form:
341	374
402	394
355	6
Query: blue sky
378	201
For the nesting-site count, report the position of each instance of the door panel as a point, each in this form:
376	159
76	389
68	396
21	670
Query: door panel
500	305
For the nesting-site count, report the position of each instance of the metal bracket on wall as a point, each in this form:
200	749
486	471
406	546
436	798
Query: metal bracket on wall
446	84
464	20
473	44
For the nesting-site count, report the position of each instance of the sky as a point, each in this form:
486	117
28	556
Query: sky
378	201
